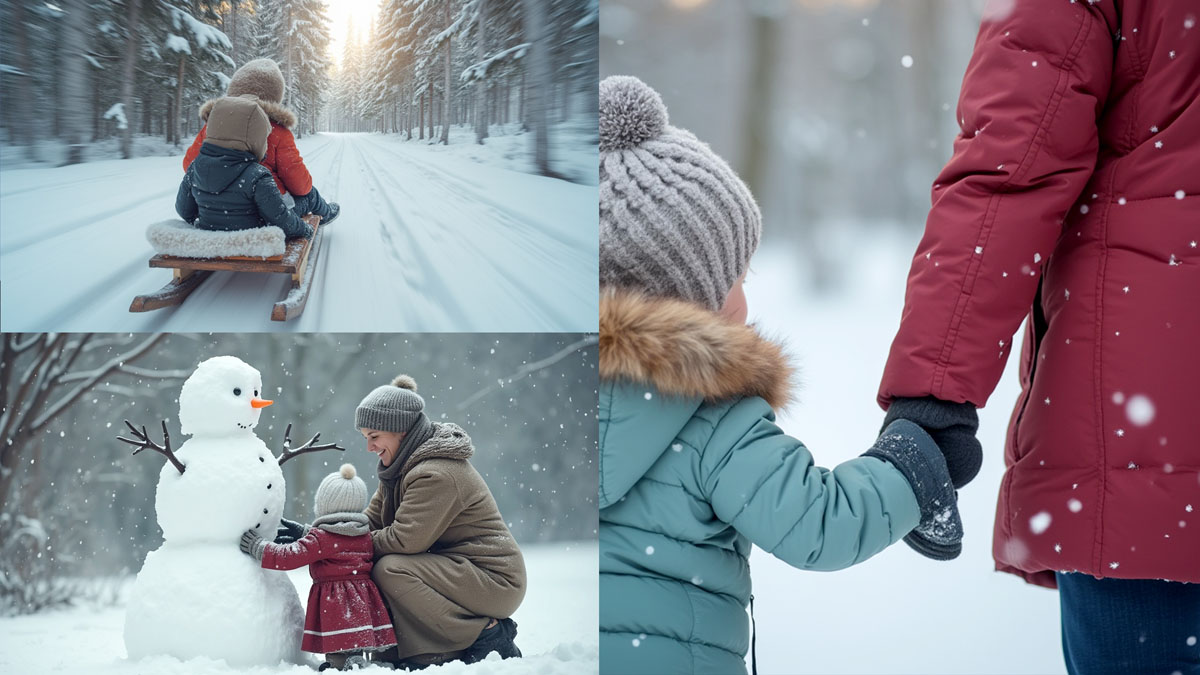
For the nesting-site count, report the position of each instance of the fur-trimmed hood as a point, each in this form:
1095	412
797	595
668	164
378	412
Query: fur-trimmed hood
276	112
683	349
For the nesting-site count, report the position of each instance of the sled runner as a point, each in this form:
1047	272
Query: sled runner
297	260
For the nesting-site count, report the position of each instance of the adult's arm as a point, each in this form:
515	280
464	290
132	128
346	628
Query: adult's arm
194	150
430	503
289	165
374	510
1032	94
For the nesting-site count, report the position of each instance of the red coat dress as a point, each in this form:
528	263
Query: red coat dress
282	159
345	610
1073	198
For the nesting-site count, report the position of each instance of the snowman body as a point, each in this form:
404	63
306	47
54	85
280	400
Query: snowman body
199	594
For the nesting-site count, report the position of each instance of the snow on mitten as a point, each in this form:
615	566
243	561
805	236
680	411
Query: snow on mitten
952	426
253	545
907	447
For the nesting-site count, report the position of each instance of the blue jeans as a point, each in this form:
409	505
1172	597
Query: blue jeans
1123	626
311	203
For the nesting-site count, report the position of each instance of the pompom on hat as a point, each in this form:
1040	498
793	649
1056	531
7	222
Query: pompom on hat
675	220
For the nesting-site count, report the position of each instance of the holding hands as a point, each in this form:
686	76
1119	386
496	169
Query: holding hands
906	446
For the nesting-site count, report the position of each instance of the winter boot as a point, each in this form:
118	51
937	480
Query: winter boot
334	210
498	638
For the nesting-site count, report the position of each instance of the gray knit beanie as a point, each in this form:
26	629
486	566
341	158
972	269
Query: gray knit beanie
675	220
341	492
395	407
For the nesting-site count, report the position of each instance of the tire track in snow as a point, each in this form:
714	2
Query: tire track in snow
439	292
518	286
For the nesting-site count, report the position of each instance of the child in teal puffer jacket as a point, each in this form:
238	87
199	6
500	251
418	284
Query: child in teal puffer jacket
693	469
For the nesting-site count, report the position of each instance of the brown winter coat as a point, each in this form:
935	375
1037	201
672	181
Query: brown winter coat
446	561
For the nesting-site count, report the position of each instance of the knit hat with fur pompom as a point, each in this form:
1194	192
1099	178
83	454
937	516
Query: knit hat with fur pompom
394	407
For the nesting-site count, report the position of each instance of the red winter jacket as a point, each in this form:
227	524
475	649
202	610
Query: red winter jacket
282	158
345	610
1073	198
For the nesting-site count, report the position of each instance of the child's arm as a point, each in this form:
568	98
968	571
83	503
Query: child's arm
273	210
304	551
185	202
194	151
765	484
289	165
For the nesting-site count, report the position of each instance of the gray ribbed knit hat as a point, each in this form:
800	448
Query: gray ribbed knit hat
395	407
675	220
341	492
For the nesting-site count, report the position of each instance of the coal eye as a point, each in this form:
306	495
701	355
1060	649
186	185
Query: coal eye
237	391
256	393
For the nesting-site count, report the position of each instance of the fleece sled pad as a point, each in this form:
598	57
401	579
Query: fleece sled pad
177	238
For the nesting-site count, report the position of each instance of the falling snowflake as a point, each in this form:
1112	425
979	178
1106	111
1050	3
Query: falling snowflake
648	396
1132	465
1058	548
1158	144
1121	434
1154	130
906	61
677	447
1126	289
1066	294
1075	505
1188	508
1180	194
978	250
1114	564
1139	410
1047	401
1037	258
1083	208
1121	201
637	642
1039	523
649	550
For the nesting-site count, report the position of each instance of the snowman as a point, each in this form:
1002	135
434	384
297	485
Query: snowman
198	594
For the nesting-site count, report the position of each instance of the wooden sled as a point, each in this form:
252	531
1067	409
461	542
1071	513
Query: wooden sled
298	261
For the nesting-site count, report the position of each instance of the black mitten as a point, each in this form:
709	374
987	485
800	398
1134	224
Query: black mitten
289	531
952	426
906	446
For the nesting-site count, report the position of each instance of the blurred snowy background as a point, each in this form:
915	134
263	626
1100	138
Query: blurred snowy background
839	114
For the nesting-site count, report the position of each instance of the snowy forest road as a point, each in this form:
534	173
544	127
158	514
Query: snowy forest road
426	241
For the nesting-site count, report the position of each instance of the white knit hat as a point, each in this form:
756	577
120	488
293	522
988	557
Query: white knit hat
341	492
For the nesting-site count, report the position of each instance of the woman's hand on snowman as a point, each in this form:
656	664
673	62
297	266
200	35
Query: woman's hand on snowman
289	531
253	545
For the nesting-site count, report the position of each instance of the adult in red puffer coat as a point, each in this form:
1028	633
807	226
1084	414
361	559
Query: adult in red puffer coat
1073	199
346	615
262	78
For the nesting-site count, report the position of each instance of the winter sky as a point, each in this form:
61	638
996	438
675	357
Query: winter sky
343	13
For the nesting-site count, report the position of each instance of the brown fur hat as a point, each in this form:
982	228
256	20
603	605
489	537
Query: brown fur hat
260	77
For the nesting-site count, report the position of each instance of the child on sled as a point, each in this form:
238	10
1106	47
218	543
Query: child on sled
262	78
346	615
226	188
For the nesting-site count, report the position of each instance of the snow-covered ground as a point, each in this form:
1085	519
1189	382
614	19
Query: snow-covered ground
430	239
557	630
898	612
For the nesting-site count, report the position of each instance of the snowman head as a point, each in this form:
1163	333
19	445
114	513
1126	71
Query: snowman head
221	398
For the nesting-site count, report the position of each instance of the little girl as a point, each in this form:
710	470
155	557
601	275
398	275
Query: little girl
346	616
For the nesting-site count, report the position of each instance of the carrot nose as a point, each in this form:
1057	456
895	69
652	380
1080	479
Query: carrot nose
260	402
